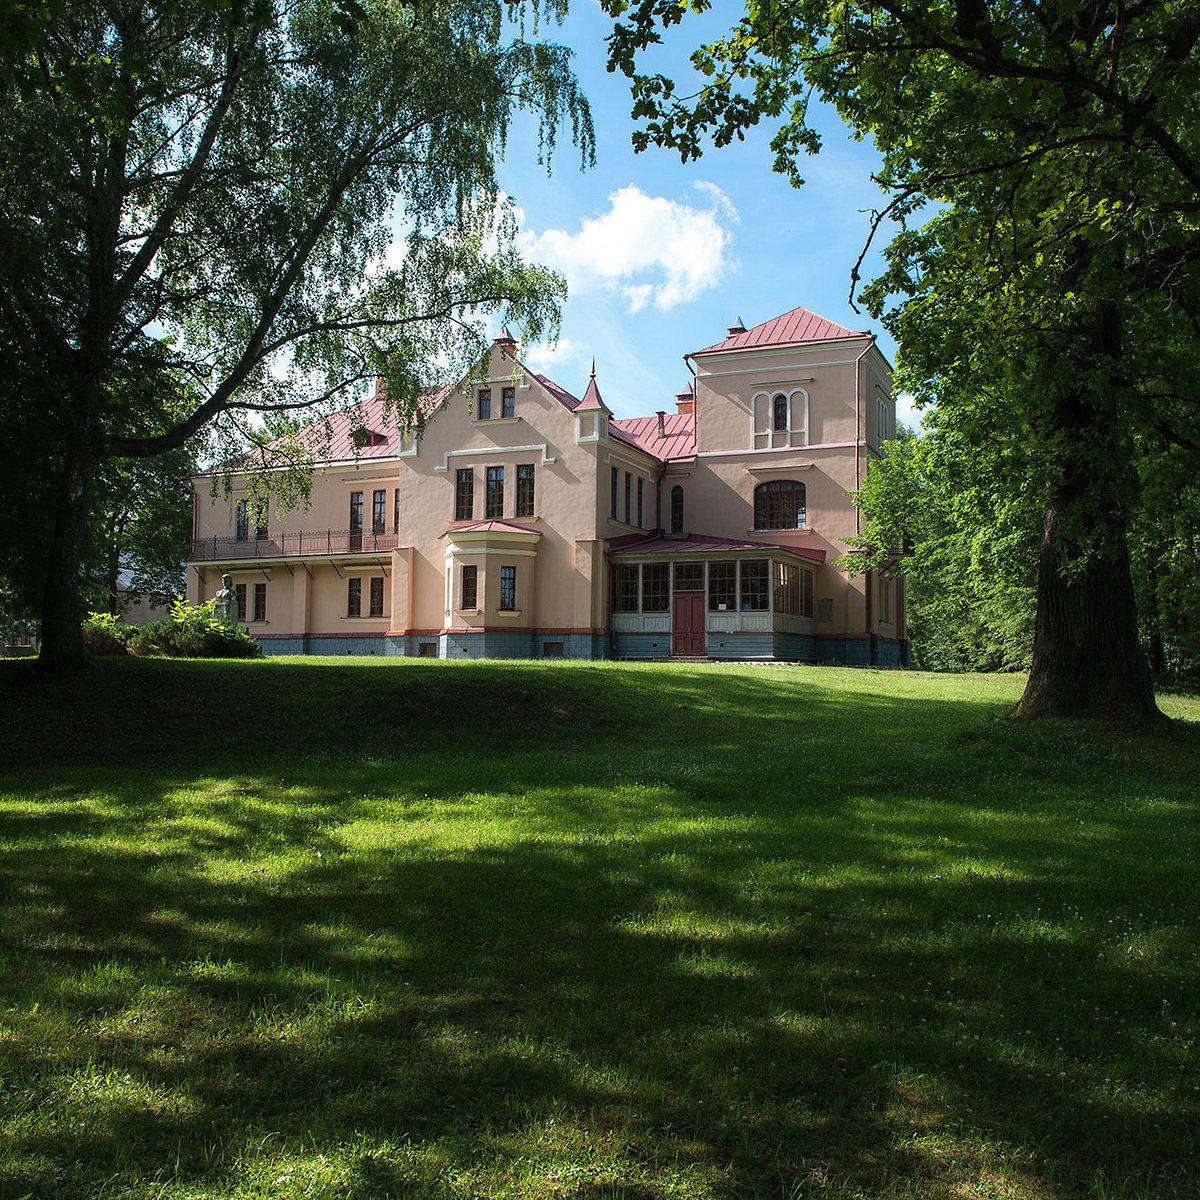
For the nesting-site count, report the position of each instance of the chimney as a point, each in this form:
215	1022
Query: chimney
662	429
685	401
738	326
507	342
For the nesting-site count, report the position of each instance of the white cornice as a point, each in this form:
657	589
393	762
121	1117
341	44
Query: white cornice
541	448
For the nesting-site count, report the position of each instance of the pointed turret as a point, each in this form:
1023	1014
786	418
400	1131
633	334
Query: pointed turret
592	414
591	398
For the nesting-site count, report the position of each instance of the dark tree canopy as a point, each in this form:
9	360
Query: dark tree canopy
196	205
1043	169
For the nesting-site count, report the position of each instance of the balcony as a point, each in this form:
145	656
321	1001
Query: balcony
313	543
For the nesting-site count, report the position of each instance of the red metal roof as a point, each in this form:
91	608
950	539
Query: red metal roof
678	439
490	527
366	430
791	328
700	543
559	393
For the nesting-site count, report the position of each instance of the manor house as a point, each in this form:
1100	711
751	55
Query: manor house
525	522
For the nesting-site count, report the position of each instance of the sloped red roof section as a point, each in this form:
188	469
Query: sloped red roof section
490	526
700	543
559	393
678	439
790	329
366	430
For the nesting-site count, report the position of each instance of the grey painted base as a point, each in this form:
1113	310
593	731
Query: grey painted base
773	647
767	647
523	644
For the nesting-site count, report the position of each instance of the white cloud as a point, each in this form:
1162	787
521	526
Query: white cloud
541	356
650	248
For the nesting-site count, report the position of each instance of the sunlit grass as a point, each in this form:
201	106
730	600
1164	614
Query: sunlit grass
376	929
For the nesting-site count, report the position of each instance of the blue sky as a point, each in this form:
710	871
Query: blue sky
661	256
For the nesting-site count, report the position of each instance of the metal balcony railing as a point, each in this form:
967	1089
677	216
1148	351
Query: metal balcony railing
294	545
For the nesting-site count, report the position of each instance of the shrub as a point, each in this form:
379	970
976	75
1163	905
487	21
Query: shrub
105	634
193	631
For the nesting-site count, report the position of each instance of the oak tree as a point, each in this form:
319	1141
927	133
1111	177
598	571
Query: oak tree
1042	165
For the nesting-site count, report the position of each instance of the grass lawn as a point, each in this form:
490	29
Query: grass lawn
330	928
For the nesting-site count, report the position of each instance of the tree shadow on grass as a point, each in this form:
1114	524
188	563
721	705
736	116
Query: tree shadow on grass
616	974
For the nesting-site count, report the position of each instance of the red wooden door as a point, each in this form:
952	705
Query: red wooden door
687	625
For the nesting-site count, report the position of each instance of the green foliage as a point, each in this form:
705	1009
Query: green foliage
193	631
1042	165
198	203
965	555
104	633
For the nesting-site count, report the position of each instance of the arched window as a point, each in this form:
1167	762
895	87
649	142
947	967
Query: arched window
779	419
779	408
677	509
779	504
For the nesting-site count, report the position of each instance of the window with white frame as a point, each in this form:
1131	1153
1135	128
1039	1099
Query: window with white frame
883	417
625	588
780	419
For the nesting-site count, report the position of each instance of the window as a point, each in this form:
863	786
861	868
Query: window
754	585
241	521
787	588
396	512
779	504
469	588
689	577
615	477
677	509
656	587
427	649
779	412
885	601
378	509
354	597
641	503
525	494
780	419
356	512
485	404
552	649
508	589
806	596
239	595
722	587
260	522
464	495
377	595
625	588
494	499
260	601
508	402
628	498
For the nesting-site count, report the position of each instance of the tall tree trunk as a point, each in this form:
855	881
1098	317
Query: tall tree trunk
1087	661
62	650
